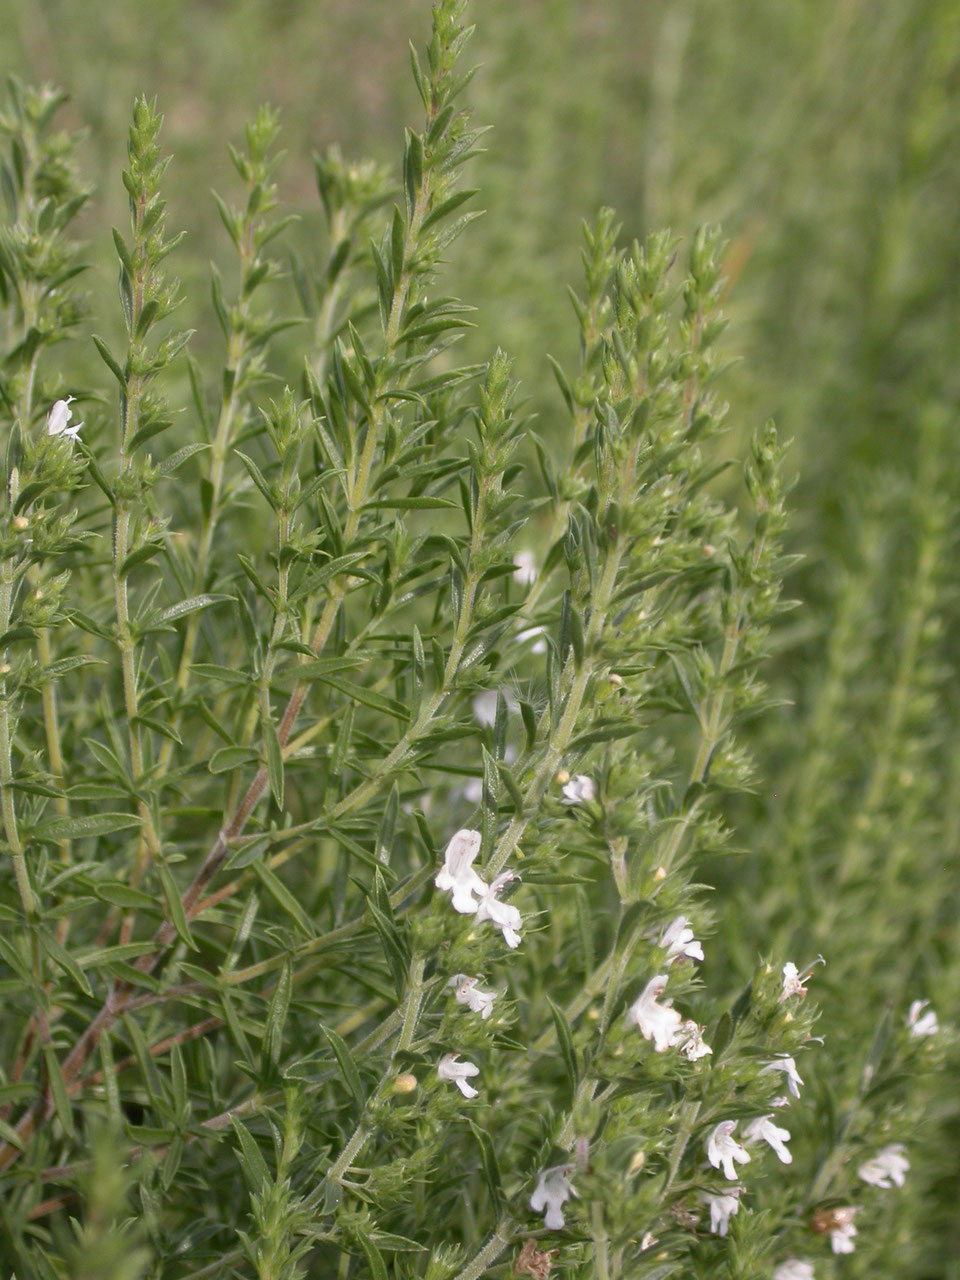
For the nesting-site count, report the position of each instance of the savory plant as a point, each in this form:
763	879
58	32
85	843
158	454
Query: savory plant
359	746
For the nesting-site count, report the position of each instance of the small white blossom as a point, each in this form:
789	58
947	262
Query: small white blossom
457	874
451	1068
502	914
793	979
789	1068
657	1022
525	568
648	1241
780	1101
764	1130
553	1189
792	982
691	1041
59	417
887	1168
841	1237
794	1269
679	941
723	1149
920	1023
722	1208
466	991
580	790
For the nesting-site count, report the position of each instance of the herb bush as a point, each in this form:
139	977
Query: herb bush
362	745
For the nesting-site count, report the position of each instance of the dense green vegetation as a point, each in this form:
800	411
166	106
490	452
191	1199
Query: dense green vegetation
799	596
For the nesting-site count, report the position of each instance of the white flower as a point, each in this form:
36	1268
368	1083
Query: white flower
506	917
793	979
467	992
794	1269
580	790
841	1237
723	1149
679	941
690	1040
451	1068
457	874
722	1209
888	1167
789	1068
920	1023
792	982
525	568
657	1022
764	1130
552	1190
58	418
648	1241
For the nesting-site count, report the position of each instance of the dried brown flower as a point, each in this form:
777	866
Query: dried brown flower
532	1261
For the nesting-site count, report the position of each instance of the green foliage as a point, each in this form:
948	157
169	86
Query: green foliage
369	747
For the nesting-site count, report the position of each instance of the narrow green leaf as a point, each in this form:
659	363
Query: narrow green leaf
277	1016
58	1089
10	1136
169	465
178	1081
565	1040
192	605
252	1163
95	824
177	915
394	951
348	1067
283	897
64	960
140	556
357	693
378	1268
388	825
491	1167
274	761
109	361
